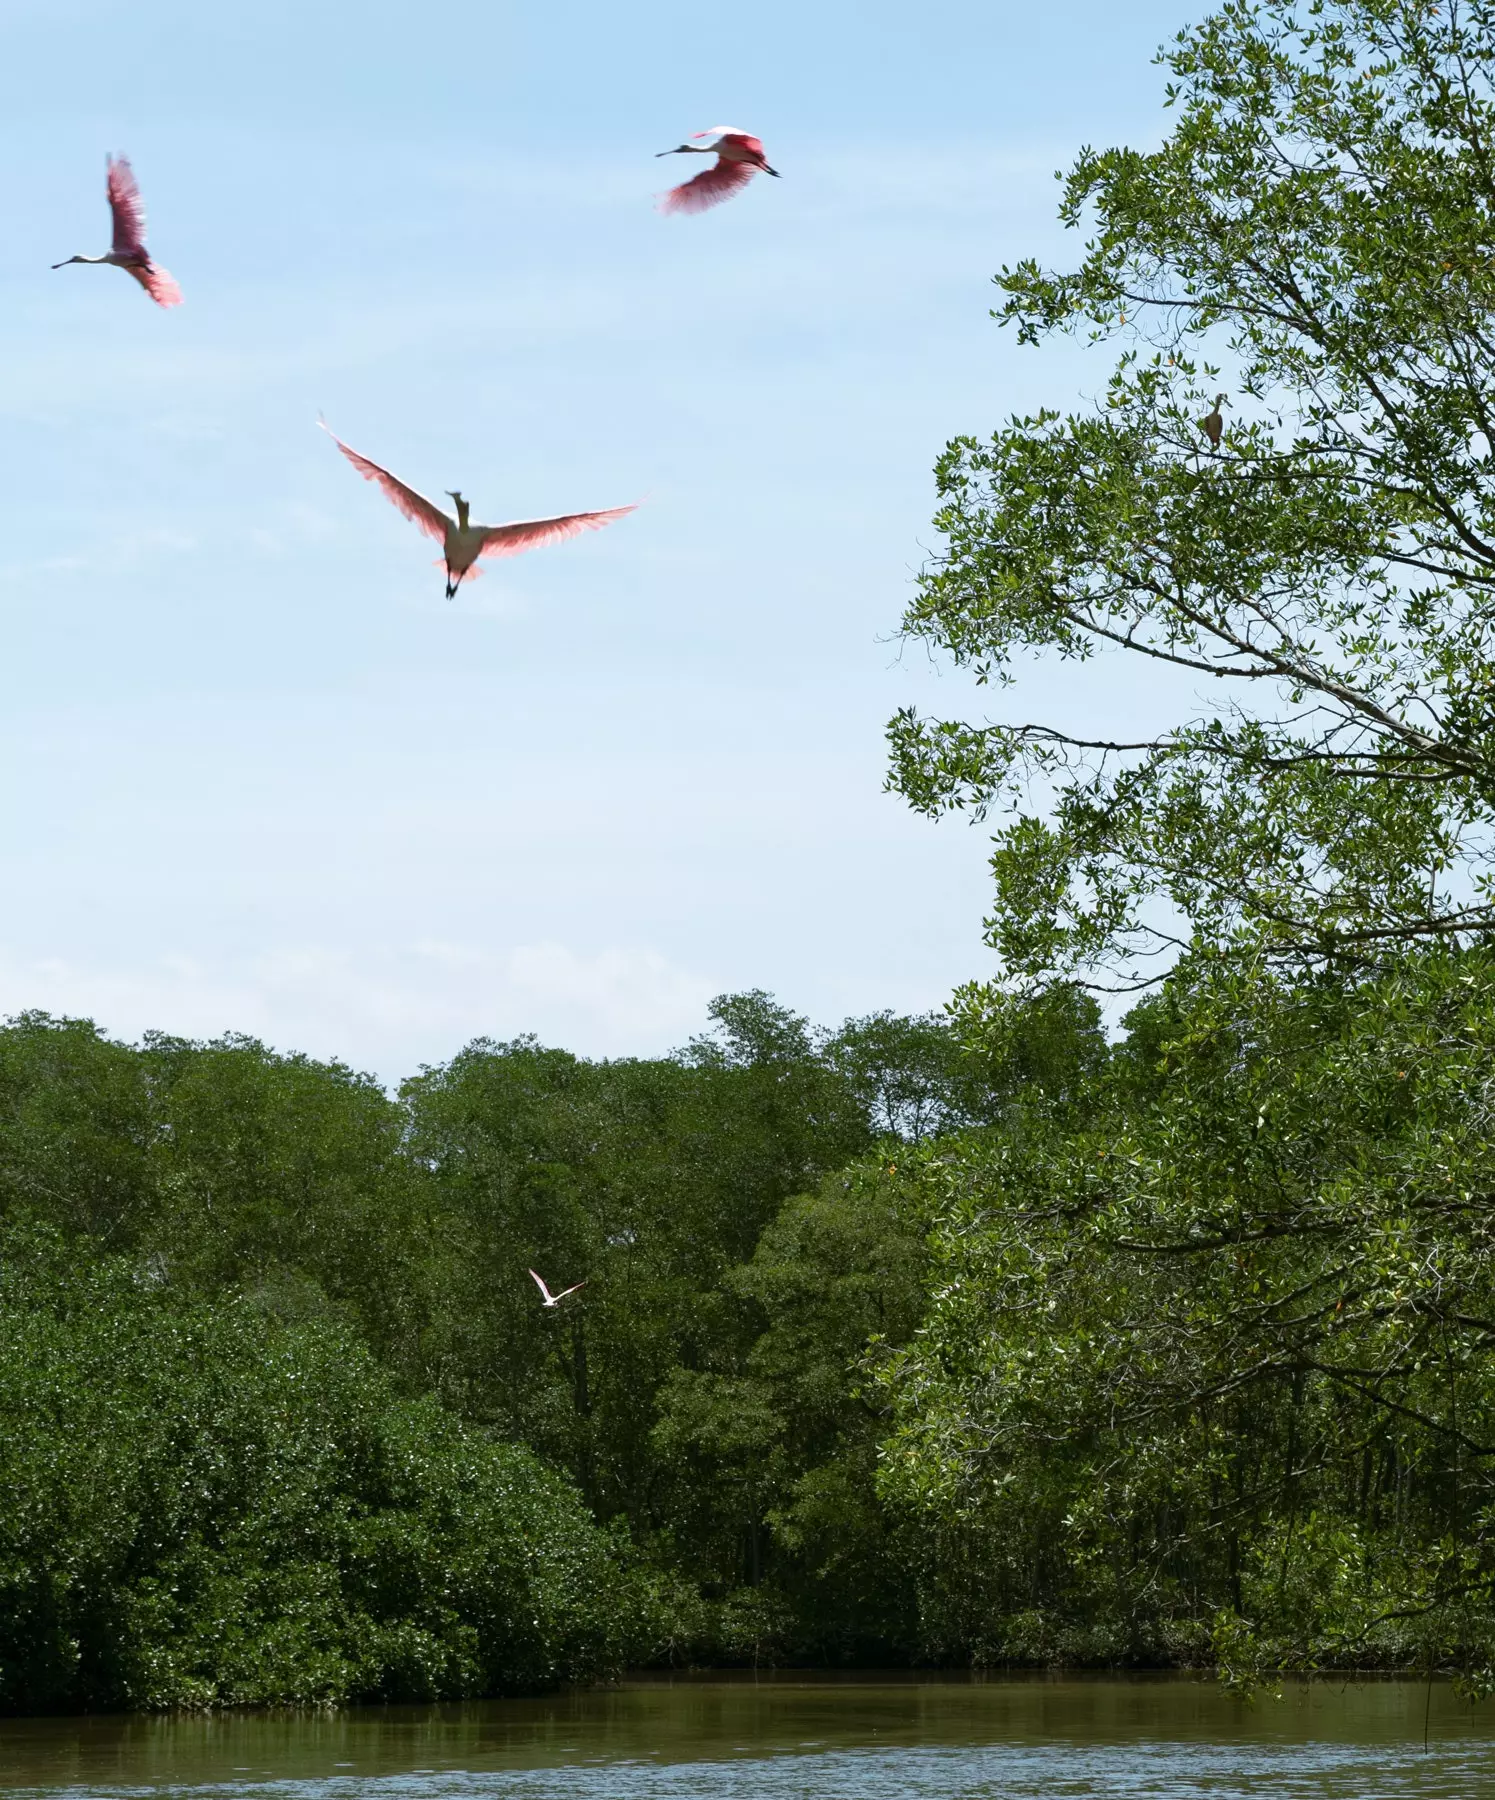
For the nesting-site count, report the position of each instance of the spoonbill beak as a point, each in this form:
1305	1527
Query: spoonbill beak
679	150
768	171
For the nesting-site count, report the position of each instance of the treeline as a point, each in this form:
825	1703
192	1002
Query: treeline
281	1415
981	1340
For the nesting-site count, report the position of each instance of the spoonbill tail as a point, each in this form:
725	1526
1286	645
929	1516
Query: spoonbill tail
129	252
462	543
550	1299
1213	424
739	156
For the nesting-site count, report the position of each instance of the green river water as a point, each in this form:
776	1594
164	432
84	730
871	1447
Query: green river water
786	1736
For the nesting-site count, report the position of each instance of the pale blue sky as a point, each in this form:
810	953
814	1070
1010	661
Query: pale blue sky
258	774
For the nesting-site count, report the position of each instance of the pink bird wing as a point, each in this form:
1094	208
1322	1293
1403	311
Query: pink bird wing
128	209
416	507
709	188
530	534
540	1284
157	282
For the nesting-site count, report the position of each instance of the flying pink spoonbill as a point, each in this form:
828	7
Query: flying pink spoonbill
463	543
550	1299
739	156
129	252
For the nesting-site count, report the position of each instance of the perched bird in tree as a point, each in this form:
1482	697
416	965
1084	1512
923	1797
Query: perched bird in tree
739	156
550	1299
129	252
1213	425
462	542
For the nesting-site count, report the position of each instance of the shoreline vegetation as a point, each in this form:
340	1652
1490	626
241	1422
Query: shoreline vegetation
901	1346
997	1338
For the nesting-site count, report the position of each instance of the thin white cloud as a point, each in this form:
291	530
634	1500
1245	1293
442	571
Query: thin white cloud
114	554
383	1009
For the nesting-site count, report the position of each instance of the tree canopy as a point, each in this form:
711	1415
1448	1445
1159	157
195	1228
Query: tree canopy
1315	236
205	1505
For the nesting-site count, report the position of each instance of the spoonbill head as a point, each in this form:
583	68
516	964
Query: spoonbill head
463	542
739	156
128	251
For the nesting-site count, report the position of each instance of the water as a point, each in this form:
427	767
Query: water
791	1737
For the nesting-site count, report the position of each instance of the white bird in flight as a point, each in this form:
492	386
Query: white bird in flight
554	1299
128	251
462	543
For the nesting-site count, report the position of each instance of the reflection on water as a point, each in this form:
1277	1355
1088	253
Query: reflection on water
788	1736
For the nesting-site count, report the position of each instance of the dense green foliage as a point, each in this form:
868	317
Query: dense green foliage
201	1504
275	1358
1207	1372
1172	1349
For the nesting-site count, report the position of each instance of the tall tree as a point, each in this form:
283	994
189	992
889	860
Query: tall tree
1320	224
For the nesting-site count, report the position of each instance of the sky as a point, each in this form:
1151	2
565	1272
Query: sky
256	774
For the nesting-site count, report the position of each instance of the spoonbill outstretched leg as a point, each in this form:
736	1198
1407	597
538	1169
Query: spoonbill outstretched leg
739	156
462	543
549	1299
129	252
